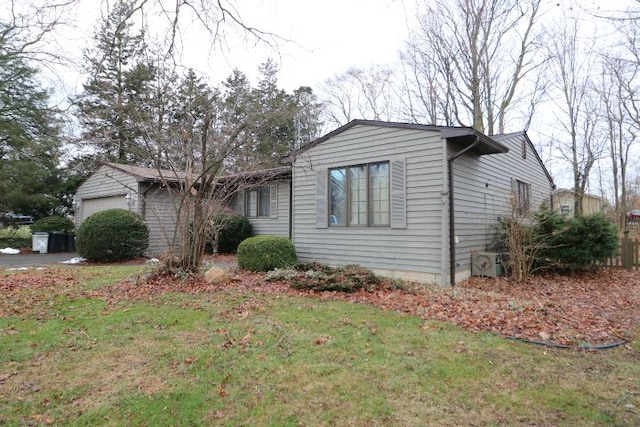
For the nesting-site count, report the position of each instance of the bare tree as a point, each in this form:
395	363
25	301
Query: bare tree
188	145
29	25
363	93
580	109
473	56
621	127
180	123
623	105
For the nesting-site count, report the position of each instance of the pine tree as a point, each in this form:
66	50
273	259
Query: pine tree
116	99
29	136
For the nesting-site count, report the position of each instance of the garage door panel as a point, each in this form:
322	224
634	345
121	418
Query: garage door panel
91	206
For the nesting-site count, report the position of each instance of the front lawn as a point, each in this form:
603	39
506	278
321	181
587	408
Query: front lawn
95	346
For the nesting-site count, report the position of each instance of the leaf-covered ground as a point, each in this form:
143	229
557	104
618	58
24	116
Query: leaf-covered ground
589	309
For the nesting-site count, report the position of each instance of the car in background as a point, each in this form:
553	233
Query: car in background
10	219
633	216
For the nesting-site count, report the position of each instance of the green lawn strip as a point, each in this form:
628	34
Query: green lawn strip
238	358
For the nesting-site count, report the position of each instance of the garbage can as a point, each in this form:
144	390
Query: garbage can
39	242
57	241
71	242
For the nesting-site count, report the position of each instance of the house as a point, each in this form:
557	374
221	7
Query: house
408	200
262	196
563	202
405	200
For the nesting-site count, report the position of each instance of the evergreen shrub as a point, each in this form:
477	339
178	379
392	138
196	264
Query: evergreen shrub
578	242
53	223
112	235
229	230
265	253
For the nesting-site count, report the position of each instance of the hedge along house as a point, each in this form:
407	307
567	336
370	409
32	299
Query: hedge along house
408	200
150	193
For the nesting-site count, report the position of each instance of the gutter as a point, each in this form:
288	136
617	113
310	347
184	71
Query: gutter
452	227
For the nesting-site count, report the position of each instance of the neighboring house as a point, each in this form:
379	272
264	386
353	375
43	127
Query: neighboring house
407	200
148	192
563	202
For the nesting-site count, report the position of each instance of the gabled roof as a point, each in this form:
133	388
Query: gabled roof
487	144
571	192
522	136
143	174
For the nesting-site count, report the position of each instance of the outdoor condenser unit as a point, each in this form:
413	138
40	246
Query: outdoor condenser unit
485	264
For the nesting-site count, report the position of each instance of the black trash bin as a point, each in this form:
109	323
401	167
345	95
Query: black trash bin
57	241
71	242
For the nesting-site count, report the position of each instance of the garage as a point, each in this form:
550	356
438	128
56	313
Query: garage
91	206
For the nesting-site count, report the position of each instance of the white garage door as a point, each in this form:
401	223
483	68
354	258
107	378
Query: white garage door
91	206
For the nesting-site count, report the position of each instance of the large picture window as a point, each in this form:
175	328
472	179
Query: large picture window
359	195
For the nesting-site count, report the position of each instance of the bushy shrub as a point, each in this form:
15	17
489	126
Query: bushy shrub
112	235
579	242
552	241
53	223
264	253
229	229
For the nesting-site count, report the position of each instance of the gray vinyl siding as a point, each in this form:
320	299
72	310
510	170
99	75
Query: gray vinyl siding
160	216
106	182
154	204
277	224
482	194
416	248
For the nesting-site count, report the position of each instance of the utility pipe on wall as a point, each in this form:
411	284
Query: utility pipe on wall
452	228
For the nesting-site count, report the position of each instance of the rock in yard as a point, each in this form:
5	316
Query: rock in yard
216	276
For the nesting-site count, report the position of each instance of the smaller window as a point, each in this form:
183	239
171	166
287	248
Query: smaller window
264	201
259	202
524	149
523	191
565	209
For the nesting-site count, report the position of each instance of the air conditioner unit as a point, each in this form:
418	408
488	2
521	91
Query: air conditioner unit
486	264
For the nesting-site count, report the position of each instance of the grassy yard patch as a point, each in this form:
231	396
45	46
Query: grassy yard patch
11	237
71	355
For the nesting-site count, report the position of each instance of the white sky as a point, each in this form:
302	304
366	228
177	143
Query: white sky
334	35
319	39
326	38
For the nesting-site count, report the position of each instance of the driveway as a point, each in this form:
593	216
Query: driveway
34	259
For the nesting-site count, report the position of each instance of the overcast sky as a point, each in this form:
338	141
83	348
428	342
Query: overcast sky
316	40
319	39
332	35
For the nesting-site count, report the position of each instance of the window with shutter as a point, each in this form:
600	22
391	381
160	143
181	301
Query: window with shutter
398	194
273	195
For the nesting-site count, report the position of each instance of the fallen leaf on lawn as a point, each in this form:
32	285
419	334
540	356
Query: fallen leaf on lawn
322	340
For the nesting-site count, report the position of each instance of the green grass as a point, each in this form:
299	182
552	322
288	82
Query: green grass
21	232
238	358
11	237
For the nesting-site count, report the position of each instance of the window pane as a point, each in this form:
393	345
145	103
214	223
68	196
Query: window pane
264	201
523	190
337	197
252	203
358	192
379	190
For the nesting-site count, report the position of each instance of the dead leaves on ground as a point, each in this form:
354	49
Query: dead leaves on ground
593	308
